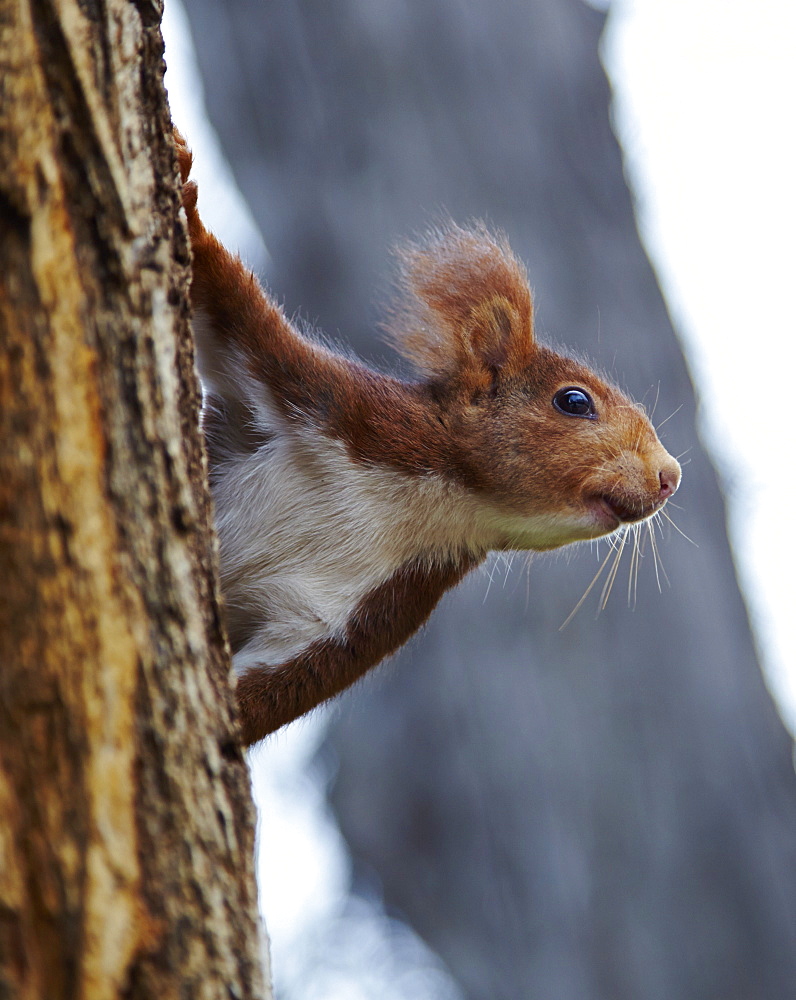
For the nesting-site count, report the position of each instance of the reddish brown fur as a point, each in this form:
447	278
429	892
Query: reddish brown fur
467	312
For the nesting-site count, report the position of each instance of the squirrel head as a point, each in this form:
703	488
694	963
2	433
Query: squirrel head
554	452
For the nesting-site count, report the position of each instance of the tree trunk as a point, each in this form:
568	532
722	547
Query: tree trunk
126	830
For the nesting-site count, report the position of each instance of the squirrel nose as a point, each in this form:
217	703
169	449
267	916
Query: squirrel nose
670	480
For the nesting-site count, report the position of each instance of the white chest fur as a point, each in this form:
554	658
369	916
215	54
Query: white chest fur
306	533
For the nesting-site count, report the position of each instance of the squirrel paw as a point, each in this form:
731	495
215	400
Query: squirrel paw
189	188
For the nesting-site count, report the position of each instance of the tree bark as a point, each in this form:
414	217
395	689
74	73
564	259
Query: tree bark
126	825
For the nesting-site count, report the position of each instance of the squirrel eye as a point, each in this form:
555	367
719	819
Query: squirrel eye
574	403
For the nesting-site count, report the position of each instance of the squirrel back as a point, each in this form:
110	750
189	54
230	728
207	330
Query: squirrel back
348	500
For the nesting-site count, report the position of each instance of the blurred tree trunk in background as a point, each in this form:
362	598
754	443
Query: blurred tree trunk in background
605	812
126	830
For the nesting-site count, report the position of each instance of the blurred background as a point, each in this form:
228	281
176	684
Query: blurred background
506	809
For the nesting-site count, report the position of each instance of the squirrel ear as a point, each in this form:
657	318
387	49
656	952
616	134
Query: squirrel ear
469	309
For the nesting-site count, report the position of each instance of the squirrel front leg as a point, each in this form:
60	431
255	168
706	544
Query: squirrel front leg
270	697
242	332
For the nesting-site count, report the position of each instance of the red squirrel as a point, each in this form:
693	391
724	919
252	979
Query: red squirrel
348	501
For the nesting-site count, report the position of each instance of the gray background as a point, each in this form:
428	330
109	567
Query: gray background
604	812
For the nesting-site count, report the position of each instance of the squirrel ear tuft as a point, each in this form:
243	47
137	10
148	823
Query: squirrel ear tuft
467	309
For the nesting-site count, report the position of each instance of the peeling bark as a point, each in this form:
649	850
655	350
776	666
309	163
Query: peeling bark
126	826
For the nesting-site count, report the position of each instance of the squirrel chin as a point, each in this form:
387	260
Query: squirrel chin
613	512
604	514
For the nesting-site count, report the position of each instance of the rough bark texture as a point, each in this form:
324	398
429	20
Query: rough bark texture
126	829
603	813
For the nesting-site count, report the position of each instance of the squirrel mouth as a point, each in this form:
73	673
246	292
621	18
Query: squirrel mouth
619	510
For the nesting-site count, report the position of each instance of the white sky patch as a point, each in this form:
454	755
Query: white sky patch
705	110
